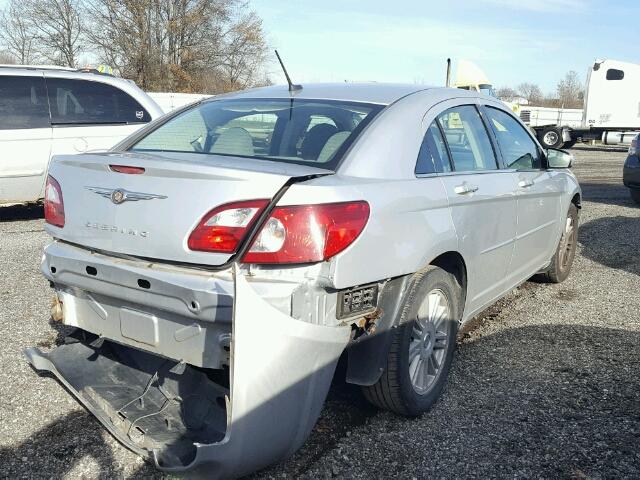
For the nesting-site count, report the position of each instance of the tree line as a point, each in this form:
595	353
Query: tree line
206	46
569	93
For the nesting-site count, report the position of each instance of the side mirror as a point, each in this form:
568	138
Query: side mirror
558	158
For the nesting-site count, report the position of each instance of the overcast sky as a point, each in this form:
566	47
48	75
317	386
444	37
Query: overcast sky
513	41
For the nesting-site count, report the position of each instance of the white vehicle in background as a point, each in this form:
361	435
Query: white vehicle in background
169	101
611	111
47	111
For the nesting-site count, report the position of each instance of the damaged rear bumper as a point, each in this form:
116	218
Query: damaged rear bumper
186	418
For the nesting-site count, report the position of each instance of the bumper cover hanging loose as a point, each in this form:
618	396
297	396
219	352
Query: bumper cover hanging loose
280	372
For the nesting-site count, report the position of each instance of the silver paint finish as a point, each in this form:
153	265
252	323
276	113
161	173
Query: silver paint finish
275	401
285	340
192	184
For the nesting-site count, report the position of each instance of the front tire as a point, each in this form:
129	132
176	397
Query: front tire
562	259
422	346
635	195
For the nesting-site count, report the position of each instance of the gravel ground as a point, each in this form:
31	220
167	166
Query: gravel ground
544	384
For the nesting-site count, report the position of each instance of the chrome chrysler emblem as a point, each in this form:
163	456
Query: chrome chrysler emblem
119	195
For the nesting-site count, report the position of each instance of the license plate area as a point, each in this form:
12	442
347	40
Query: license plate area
139	326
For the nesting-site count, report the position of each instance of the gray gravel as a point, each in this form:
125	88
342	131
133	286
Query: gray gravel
545	384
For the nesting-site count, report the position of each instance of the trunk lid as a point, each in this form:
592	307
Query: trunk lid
177	190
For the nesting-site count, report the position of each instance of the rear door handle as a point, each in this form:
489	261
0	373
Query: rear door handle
465	188
525	183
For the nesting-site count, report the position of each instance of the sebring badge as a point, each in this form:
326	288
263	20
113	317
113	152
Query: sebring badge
119	195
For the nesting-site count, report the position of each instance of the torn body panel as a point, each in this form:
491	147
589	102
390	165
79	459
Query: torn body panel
281	370
221	423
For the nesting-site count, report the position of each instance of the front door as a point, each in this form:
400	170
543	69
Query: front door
482	199
25	138
538	194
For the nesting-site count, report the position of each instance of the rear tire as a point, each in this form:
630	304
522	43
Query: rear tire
635	195
562	259
422	346
551	137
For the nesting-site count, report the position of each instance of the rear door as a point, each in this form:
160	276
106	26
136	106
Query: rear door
25	137
538	195
482	201
89	115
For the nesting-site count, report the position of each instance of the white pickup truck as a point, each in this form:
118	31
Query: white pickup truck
46	111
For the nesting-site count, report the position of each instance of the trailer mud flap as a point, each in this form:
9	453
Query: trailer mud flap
280	372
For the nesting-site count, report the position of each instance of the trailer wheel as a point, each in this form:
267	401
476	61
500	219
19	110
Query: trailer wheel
551	137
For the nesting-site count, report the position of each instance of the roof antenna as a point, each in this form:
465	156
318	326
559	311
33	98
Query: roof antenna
292	86
448	84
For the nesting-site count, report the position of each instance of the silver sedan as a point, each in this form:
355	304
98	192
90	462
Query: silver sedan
218	263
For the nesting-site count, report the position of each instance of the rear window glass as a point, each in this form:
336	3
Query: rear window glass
467	138
314	132
433	156
82	102
23	103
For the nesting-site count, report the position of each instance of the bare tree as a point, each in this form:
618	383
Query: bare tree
7	58
570	91
185	45
17	33
531	92
507	94
58	26
179	45
244	52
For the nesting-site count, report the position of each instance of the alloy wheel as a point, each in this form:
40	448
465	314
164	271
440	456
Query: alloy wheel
567	243
428	343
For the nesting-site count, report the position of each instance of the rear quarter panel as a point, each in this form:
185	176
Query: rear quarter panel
409	225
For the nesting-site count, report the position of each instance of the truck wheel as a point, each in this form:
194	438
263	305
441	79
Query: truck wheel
422	347
635	195
563	257
551	137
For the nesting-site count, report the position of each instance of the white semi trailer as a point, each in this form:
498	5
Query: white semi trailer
611	111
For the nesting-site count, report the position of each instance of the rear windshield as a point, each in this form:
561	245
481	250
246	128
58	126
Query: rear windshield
310	132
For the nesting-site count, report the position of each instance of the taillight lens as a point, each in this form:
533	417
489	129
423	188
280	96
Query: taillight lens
222	229
308	233
53	203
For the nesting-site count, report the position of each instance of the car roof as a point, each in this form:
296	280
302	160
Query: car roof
52	71
128	86
370	92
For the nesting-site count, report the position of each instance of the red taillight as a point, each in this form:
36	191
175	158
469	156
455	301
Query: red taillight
127	169
53	203
308	233
222	229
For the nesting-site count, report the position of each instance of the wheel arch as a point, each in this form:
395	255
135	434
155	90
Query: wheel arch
577	200
453	262
367	357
